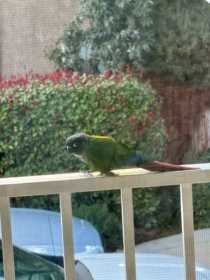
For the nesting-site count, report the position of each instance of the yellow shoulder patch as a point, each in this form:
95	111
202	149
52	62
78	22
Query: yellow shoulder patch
98	137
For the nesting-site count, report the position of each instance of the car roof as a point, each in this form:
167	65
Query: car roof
39	231
27	263
149	267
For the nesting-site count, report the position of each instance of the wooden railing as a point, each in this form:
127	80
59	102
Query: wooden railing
66	184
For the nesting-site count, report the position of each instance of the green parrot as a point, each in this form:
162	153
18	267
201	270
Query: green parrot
104	153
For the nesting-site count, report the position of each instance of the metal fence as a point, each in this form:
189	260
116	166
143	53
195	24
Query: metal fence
66	184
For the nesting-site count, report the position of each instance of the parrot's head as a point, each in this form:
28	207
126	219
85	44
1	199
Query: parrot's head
77	143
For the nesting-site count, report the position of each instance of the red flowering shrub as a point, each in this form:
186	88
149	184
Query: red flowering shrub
56	77
64	101
38	112
24	80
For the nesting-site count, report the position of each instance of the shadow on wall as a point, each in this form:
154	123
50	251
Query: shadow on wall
186	111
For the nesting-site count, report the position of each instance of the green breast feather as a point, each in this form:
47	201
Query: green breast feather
104	153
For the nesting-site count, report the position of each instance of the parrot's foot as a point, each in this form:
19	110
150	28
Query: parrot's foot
88	173
109	173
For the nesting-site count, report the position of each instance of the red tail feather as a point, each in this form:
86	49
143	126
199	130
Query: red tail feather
164	166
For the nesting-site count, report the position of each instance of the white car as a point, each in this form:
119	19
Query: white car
39	231
148	267
29	266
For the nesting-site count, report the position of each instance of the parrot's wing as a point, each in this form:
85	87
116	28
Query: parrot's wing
125	156
105	154
122	155
100	153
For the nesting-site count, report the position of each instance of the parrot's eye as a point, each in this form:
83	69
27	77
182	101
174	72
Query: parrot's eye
74	145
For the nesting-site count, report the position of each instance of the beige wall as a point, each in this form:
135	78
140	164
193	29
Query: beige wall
27	29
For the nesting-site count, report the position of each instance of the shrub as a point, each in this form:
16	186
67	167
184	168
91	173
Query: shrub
37	117
166	37
182	40
106	34
201	197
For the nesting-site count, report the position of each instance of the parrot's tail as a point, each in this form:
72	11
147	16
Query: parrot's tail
164	166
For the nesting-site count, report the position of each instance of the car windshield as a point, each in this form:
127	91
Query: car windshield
31	267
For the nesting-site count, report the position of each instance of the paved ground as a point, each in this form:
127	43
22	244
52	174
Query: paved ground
172	245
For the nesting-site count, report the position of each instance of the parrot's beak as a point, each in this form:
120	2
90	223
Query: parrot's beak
68	148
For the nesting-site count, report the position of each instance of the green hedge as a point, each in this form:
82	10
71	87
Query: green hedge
201	196
35	120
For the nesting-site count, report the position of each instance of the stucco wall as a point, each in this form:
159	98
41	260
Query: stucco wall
27	29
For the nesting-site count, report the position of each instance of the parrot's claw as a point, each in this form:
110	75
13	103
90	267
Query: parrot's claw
88	173
110	173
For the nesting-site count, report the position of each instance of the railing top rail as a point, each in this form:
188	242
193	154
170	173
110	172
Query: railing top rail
81	182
